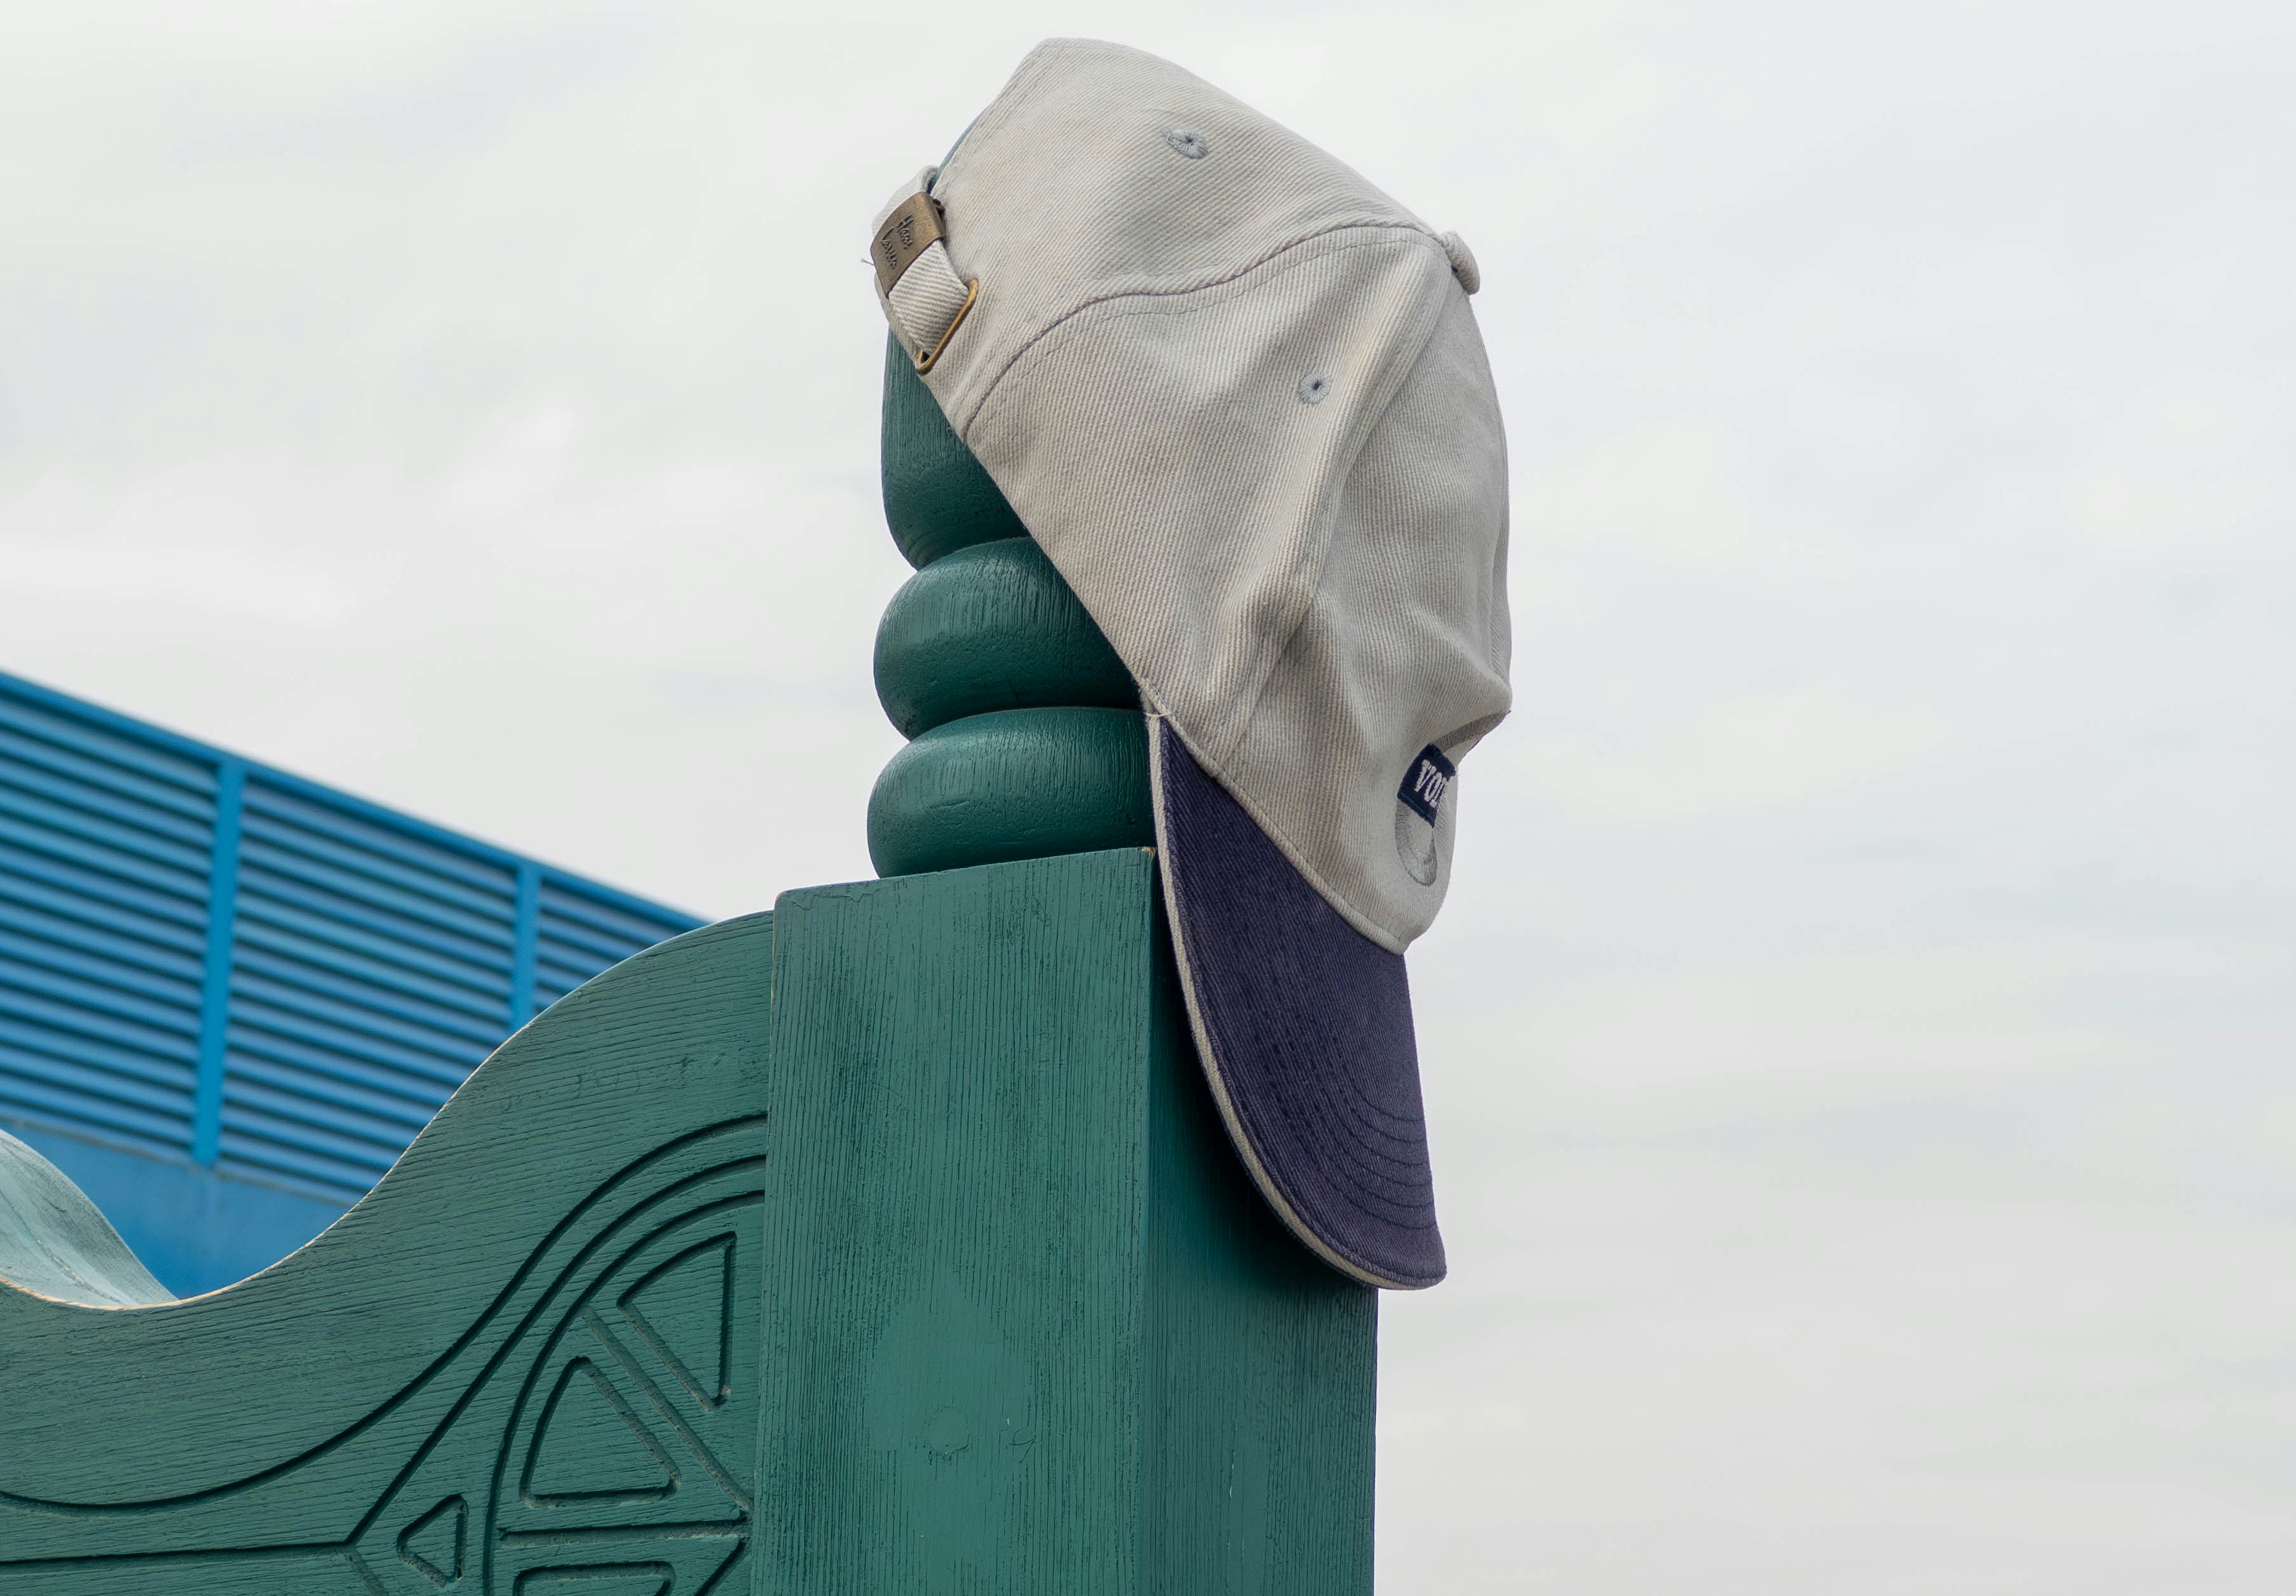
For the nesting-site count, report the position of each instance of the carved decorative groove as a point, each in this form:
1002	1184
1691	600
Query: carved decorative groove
667	1471
708	1269
616	1579
704	1451
577	1341
1030	1329
364	1339
635	1466
433	1545
603	1198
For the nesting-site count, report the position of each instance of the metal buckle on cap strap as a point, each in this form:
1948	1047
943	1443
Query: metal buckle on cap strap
971	294
928	309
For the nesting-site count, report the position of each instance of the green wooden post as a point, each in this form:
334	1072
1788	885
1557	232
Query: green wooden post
888	1244
1049	1339
1034	1331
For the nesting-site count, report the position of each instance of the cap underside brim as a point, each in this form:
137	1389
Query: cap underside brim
1304	1027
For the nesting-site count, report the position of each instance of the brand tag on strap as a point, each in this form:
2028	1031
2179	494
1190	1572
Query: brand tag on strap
913	225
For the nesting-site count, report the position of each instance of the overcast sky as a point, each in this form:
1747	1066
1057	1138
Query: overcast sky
1858	1046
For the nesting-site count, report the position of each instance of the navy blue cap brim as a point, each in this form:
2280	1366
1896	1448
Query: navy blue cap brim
1303	1025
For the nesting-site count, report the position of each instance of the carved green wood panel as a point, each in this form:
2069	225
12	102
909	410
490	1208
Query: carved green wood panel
885	1244
532	1350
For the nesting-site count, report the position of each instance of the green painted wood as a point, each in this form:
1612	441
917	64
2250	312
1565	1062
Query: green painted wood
888	1244
532	1347
885	1244
992	628
937	497
990	663
1019	784
53	1242
1031	1331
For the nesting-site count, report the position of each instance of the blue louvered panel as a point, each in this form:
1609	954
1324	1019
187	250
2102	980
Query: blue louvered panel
104	846
352	968
370	972
581	931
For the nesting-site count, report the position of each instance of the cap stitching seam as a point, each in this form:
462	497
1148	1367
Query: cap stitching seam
1396	380
999	111
983	409
1392	379
1154	301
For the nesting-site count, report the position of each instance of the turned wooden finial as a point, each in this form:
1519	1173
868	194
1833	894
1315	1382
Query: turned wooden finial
1025	727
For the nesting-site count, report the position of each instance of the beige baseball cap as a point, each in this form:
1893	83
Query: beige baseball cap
1239	398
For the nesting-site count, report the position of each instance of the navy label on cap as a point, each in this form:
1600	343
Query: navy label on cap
1424	784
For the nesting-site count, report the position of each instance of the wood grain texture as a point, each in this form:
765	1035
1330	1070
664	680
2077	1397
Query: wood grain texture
1019	784
503	1361
986	1305
937	497
992	628
56	1243
1030	1330
1028	739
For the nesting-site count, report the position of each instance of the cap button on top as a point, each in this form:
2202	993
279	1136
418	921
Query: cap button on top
1463	262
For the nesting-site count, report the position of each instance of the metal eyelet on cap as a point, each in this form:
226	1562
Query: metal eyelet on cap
1192	146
